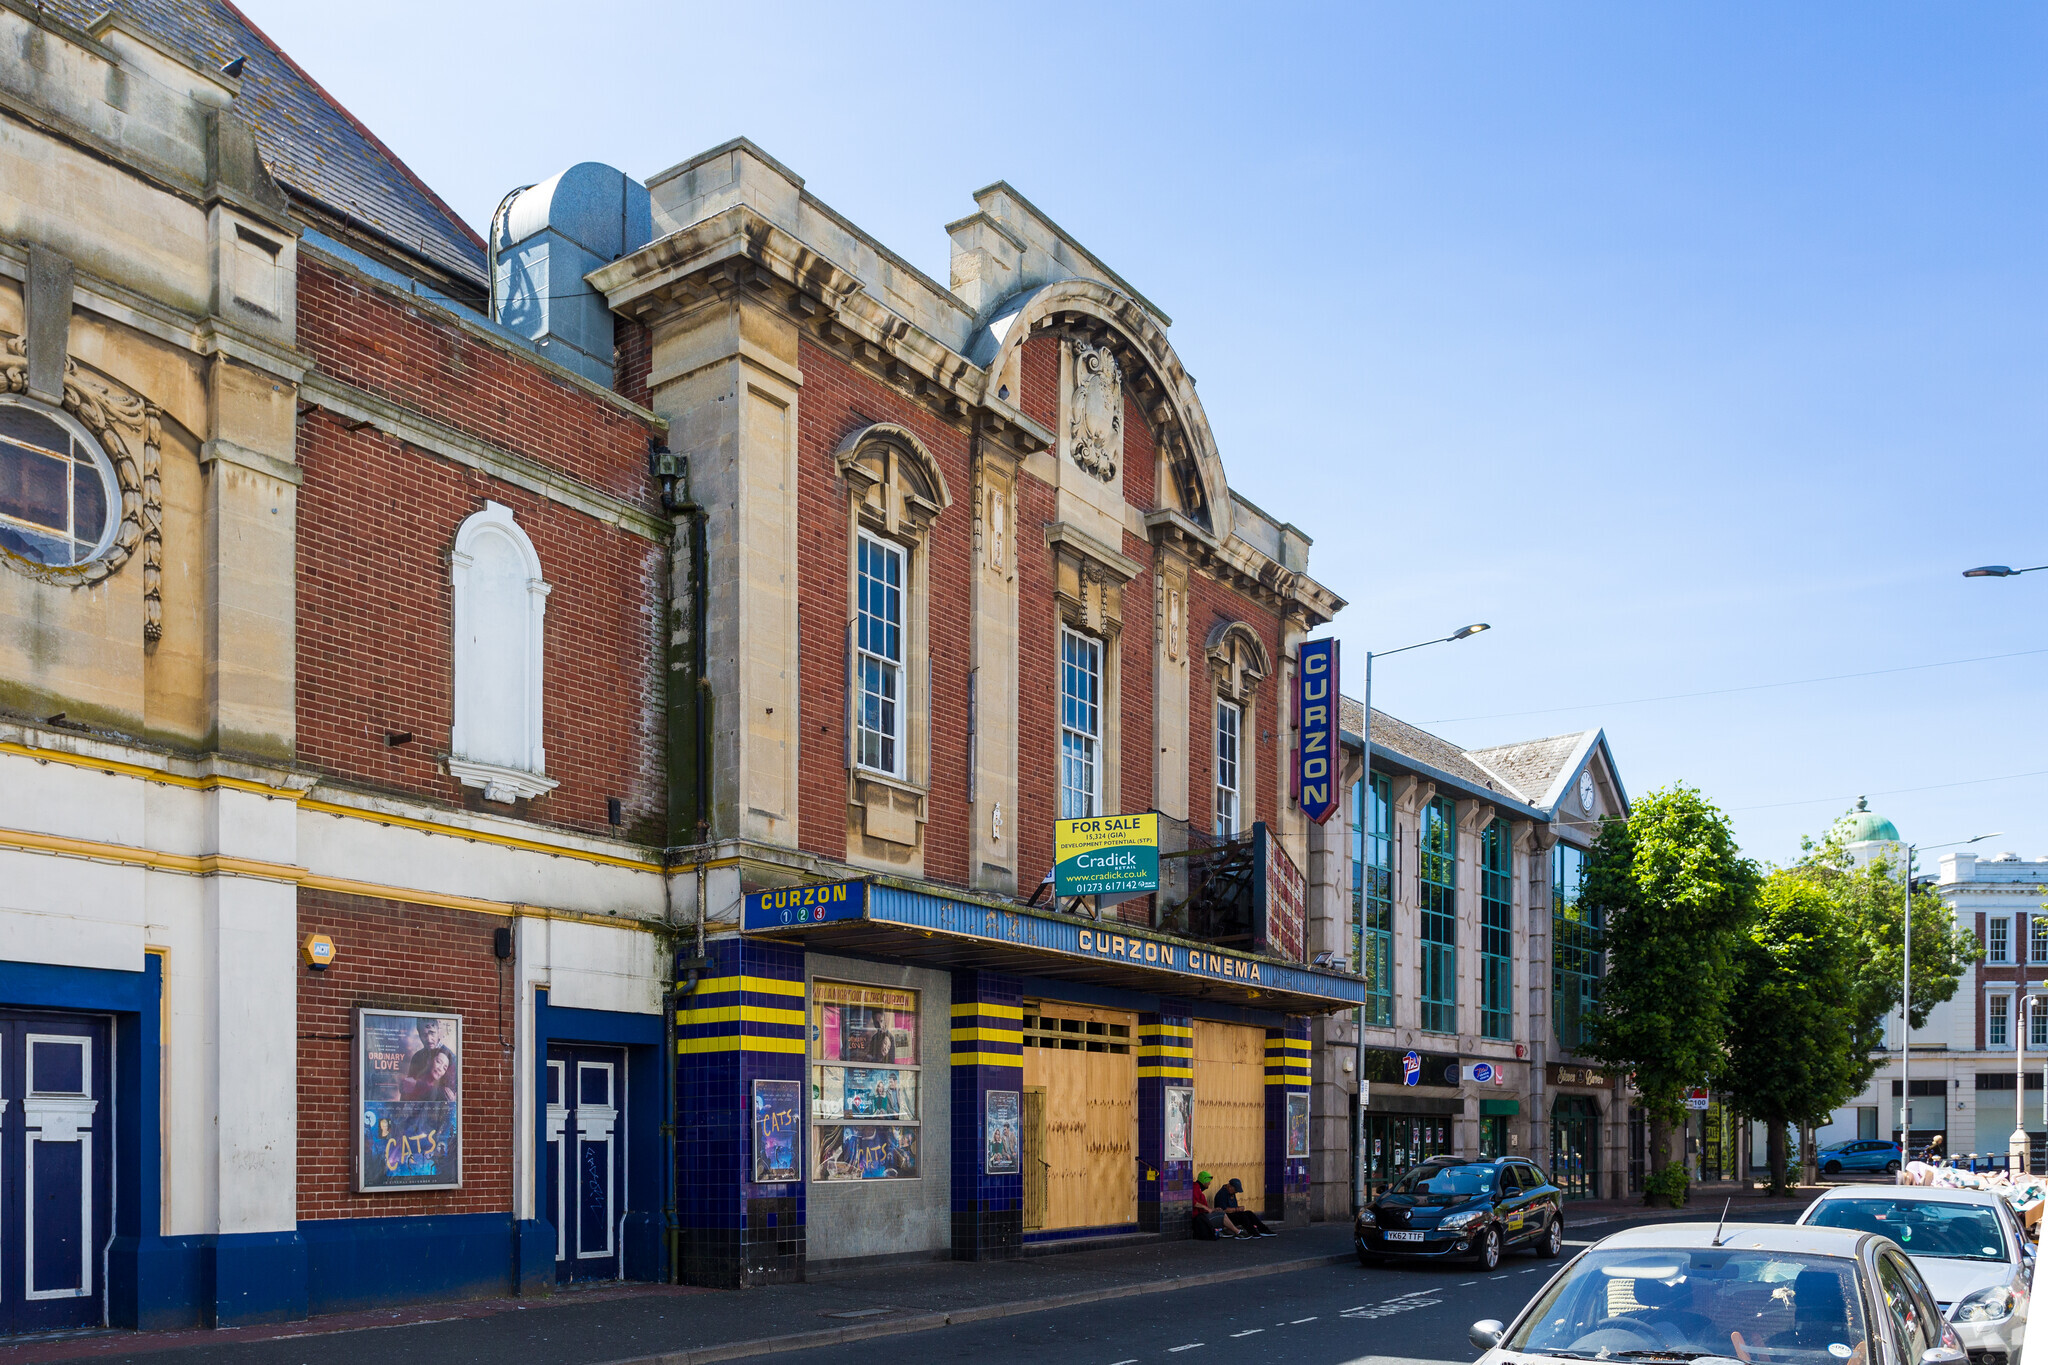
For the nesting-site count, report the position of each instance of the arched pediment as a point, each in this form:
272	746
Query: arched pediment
1239	658
1109	317
894	474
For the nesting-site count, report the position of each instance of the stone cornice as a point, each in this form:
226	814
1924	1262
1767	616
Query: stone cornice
738	252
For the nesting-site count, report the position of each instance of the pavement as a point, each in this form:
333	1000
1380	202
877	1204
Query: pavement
1131	1294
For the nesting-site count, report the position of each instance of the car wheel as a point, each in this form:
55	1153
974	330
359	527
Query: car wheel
1832	1168
1489	1249
1891	1168
1551	1244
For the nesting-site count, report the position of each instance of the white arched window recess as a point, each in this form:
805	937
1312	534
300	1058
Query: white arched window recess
500	611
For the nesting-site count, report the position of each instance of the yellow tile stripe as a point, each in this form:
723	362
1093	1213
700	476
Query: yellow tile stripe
738	1042
750	1014
1163	1050
1288	1045
1173	1030
988	1035
759	985
992	1011
1165	1072
988	1059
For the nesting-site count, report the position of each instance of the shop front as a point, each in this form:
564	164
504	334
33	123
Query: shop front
870	1072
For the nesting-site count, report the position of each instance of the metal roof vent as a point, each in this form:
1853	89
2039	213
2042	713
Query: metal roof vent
545	239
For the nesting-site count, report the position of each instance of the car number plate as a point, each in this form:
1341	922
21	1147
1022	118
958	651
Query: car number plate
1404	1237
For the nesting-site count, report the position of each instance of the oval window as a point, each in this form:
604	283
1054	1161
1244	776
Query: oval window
58	499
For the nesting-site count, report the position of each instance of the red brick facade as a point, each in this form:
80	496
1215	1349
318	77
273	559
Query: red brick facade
400	956
377	521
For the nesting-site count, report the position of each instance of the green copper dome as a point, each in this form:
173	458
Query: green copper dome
1864	825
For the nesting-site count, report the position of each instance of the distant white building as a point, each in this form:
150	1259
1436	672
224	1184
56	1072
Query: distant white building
1963	1058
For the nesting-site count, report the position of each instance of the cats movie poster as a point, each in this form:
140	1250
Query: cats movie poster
408	1100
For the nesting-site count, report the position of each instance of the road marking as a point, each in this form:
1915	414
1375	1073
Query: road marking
1532	1270
1189	1347
1247	1332
1299	1321
1468	1284
1132	1361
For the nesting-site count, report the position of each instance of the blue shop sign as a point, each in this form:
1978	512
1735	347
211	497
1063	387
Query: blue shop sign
786	907
1315	720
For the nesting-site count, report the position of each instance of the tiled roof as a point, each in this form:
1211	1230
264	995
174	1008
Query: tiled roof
314	147
1534	766
1398	736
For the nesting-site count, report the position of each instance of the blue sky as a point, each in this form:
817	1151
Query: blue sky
1693	347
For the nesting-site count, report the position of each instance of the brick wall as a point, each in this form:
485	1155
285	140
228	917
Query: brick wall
1038	381
632	360
1211	603
377	519
1038	683
392	955
838	399
1140	454
414	357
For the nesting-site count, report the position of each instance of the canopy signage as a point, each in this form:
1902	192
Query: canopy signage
1106	855
785	907
1315	726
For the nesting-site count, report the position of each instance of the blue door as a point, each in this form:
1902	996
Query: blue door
56	1165
586	1160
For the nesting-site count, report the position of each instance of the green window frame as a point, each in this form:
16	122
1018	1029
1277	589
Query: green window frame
1372	895
1496	932
1436	875
1578	950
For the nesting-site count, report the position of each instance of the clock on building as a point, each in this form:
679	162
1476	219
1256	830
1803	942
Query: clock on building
1586	792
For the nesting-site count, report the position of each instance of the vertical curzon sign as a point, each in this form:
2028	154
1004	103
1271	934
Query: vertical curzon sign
1315	725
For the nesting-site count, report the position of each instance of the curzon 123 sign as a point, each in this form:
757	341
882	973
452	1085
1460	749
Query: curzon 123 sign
819	903
1315	721
1106	855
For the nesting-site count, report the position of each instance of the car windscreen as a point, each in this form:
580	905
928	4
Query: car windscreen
1639	1303
1924	1227
1436	1184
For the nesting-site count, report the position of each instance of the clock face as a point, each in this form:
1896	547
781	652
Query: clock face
1586	792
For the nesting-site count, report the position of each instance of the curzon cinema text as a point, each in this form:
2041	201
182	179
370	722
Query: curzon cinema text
1165	955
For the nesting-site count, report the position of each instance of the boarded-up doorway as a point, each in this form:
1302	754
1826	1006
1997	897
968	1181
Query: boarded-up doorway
1081	1061
1230	1106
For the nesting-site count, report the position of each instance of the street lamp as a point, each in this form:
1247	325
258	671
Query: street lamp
1906	1000
1358	1066
2000	571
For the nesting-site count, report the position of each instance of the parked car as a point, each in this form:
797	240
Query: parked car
1449	1207
1967	1244
1765	1293
1864	1154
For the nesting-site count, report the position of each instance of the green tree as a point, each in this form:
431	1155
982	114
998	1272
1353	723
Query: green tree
1791	1059
1872	899
1676	894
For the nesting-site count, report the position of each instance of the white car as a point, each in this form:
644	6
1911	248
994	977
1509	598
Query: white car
1730	1294
1967	1244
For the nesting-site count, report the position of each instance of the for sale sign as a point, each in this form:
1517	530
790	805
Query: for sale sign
1106	855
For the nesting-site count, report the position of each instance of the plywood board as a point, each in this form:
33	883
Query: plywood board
1090	1123
1230	1106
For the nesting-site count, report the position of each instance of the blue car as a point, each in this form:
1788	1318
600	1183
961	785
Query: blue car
1865	1154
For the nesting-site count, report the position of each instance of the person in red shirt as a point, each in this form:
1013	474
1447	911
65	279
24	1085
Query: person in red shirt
1220	1223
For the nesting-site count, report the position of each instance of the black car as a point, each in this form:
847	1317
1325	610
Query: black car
1449	1207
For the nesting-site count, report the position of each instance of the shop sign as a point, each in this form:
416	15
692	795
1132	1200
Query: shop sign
408	1084
1411	1069
1561	1074
1482	1072
1004	1110
1315	721
778	1131
1106	855
1297	1126
785	907
1698	1098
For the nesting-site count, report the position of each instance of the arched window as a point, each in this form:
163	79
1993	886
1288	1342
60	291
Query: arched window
500	610
59	501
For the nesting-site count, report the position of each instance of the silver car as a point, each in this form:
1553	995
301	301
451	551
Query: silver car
1761	1293
1967	1244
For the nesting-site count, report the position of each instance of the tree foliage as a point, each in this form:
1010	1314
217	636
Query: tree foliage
1790	1056
1871	899
1675	893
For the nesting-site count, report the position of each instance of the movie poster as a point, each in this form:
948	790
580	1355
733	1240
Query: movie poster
867	1153
778	1125
409	1100
864	1024
1297	1125
1180	1122
1005	1152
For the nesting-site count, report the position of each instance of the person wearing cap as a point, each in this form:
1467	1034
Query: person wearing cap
1218	1222
1227	1204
